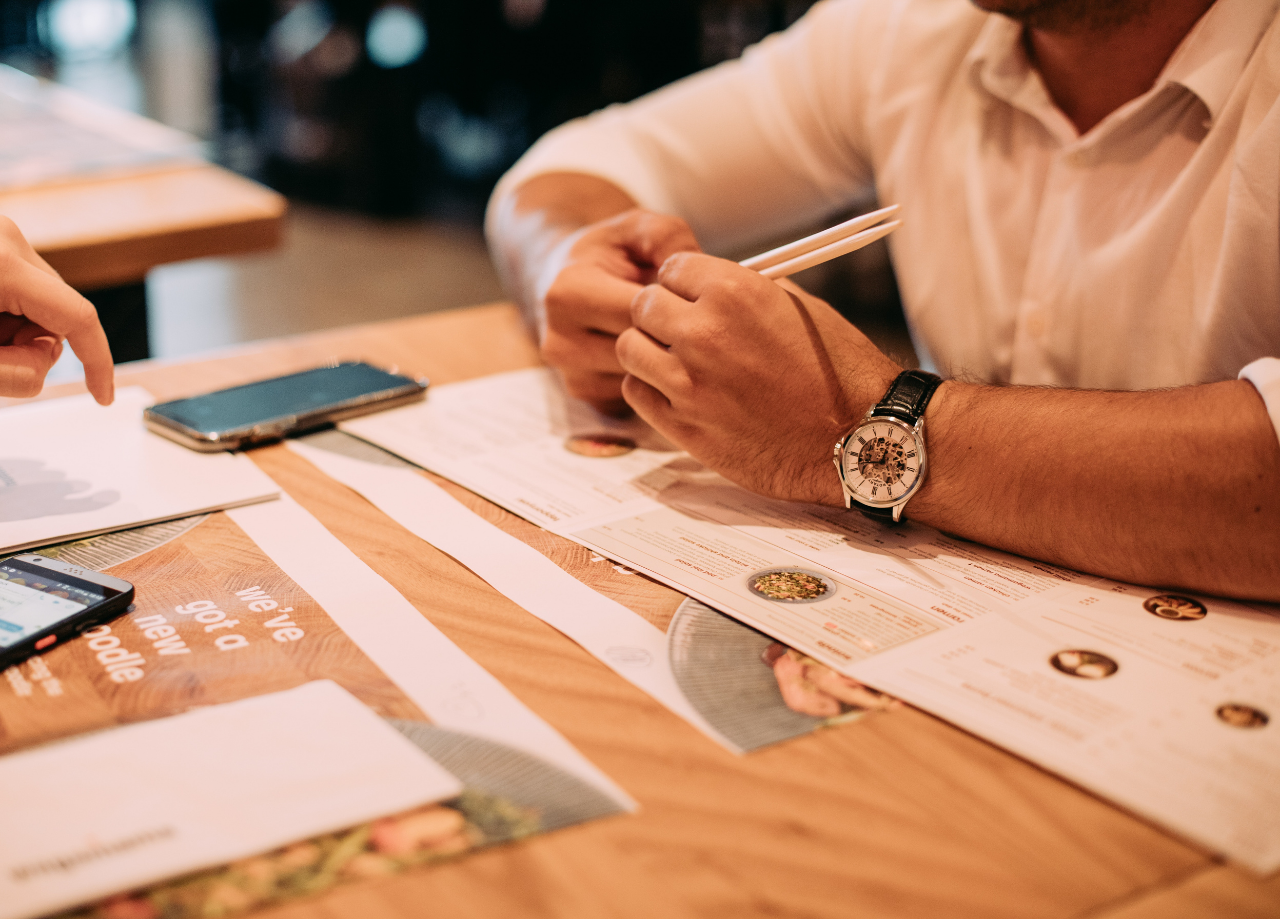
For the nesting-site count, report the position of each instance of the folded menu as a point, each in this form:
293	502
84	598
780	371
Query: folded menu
70	468
127	806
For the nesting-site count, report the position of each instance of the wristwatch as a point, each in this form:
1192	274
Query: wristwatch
882	461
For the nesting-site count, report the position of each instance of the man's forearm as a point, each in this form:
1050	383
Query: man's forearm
1172	488
531	221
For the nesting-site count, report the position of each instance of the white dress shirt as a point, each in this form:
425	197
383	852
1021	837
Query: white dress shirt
1144	253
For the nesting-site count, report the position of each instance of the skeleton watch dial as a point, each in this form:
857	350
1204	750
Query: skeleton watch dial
881	462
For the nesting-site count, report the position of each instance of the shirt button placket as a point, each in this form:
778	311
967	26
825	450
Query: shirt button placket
1029	361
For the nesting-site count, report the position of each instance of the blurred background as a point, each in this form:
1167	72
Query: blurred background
386	124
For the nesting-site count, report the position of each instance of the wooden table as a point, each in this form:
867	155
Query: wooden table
104	234
897	816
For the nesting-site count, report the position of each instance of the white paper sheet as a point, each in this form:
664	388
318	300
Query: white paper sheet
624	641
1167	703
71	468
120	808
454	690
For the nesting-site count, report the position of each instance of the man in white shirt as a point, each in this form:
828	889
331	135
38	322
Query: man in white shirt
1090	197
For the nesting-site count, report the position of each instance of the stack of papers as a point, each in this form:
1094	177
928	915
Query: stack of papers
1164	701
280	692
70	468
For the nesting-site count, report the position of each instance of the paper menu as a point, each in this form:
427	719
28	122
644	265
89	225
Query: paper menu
1106	683
1171	717
659	511
506	435
122	808
71	468
263	599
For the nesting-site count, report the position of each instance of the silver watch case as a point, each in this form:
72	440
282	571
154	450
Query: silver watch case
897	504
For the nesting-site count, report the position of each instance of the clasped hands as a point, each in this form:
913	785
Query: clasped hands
756	379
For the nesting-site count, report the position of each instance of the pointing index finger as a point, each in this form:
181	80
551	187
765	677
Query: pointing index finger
48	302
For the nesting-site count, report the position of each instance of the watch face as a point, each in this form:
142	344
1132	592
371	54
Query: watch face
882	463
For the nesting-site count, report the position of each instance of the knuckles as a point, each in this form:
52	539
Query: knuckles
9	231
600	389
557	350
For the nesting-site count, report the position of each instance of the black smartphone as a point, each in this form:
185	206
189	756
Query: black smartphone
256	413
44	601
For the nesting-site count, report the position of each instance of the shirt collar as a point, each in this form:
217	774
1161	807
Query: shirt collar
1214	54
1208	62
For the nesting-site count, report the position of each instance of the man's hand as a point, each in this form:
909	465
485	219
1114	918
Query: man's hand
756	380
37	311
585	291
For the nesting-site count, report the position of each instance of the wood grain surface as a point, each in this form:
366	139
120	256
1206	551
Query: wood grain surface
112	230
898	815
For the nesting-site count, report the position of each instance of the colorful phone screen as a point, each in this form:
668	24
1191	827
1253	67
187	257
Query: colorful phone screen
32	599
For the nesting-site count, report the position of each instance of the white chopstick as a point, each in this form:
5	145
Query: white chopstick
824	246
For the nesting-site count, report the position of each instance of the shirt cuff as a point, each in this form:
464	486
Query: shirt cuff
1264	374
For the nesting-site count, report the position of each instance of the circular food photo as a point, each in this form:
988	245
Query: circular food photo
1239	715
600	446
791	585
1088	665
1171	606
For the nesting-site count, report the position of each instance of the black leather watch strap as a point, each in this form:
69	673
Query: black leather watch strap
906	399
909	395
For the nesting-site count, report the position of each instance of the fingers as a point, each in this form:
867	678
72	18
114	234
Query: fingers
585	296
691	274
601	390
23	367
654	364
17	243
46	301
653	238
661	314
582	350
648	403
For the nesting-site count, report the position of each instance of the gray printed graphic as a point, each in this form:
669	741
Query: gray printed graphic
30	490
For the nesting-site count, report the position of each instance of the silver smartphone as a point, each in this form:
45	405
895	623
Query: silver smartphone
44	601
257	413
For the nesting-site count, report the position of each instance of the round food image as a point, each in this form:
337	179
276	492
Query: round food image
1171	606
600	446
791	585
1239	715
1088	665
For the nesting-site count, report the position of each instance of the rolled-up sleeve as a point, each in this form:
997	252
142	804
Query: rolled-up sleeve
745	150
1264	374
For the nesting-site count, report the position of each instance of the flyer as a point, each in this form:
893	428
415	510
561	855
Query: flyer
262	599
1149	697
71	468
738	686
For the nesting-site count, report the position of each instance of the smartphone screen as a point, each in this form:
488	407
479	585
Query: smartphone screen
33	599
283	397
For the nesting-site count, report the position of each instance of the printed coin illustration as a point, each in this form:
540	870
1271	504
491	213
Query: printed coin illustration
1239	715
599	445
1088	665
791	585
1171	606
